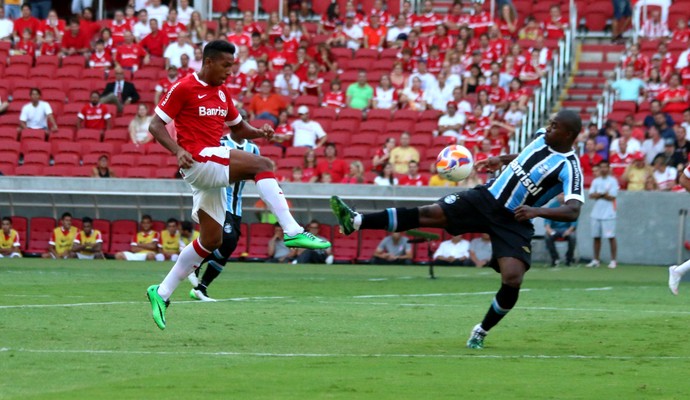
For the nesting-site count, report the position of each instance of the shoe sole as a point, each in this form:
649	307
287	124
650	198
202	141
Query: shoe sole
339	208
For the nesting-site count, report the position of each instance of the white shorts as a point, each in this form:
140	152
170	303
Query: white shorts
12	255
603	228
209	180
129	256
86	256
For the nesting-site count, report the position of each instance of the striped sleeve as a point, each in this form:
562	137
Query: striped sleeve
571	177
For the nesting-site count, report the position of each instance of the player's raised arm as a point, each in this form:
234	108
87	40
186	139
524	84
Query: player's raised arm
493	164
568	212
243	130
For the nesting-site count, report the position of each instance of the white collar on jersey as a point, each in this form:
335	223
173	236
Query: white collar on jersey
199	80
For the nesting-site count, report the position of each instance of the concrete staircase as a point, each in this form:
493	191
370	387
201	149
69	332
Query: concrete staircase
594	64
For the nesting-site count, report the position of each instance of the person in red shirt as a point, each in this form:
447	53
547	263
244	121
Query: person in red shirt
590	159
639	61
434	63
531	73
118	26
52	24
285	133
49	47
257	50
24	22
384	17
87	25
26	46
172	27
682	32
556	25
75	41
262	74
290	42
155	42
497	95
238	36
472	135
335	98
184	69
480	21
674	99
330	164
374	33
166	83
94	115
201	109
279	57
418	48
427	21
129	54
456	19
441	39
311	85
413	177
100	58
236	83
249	25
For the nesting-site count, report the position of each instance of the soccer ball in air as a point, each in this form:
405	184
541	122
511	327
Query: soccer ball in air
454	163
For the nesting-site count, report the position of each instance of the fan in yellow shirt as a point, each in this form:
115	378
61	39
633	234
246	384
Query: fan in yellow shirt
88	244
60	244
9	240
187	233
169	245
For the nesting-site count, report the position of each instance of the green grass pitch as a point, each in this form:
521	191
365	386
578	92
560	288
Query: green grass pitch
83	330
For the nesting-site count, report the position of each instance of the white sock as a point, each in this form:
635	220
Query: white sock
357	221
683	268
273	196
160	257
190	258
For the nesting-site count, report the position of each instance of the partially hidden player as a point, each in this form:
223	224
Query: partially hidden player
502	208
676	272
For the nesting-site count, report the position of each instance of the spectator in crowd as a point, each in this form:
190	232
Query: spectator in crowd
682	142
139	126
440	95
682	32
436	180
413	177
386	176
195	63
353	32
401	155
61	239
330	164
398	31
480	250
427	79
622	15
287	83
176	49
307	132
555	230
26	20
266	104
187	233
283	131
665	131
655	83
604	191
169	245
414	97
141	28
393	249
629	88
329	19
10	245
472	79
637	173
654	28
335	98
185	11
398	76
674	99
385	95
157	11
102	169
75	42
94	115
654	109
604	137
129	54
100	58
664	175
26	46
120	92
374	34
144	244
12	9
88	244
382	155
513	116
633	145
671	156
164	84
196	27
360	93
310	172
184	69
356	174
653	145
277	251
308	256
453	252
37	114
620	160
154	43
172	26
6	26
589	159
531	30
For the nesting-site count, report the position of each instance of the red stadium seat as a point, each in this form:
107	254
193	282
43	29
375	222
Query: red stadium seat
341	53
62	135
430	115
139	172
19	71
21	225
420	141
375	126
166	172
155	148
88	135
355	151
154	161
103	226
29	170
295	152
370	54
379	114
35	147
42	71
83	171
70	71
9	157
426	127
8	133
123	160
389	54
309	101
321	114
48	60
121	234
365	138
66	159
27	60
339	137
349	114
40	232
272	152
131	148
98	149
58	170
116	136
74	60
33	158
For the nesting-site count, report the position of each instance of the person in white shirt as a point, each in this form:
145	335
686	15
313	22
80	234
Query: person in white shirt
248	65
664	175
455	251
633	145
142	28
195	63
451	123
603	192
37	114
385	96
399	28
387	176
184	12
654	28
443	92
175	50
354	32
6	26
287	83
428	80
307	133
157	11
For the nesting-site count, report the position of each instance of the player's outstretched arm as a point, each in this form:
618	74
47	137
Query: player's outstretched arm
243	131
493	164
568	212
157	129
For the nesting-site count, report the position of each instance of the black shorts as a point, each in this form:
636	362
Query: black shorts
477	211
231	235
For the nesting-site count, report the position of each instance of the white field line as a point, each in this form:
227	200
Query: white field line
110	303
341	355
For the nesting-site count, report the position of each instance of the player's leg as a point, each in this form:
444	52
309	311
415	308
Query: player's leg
550	241
596	237
248	166
216	261
609	232
675	274
570	254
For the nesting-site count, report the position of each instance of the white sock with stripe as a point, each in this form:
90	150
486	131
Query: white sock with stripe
190	258
273	196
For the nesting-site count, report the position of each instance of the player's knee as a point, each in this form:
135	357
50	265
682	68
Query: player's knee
211	243
264	164
119	256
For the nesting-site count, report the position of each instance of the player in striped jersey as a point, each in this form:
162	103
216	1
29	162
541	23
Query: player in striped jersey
676	272
502	208
231	229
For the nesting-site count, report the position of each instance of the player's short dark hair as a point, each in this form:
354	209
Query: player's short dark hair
35	89
87	220
65	214
215	48
173	220
8	219
572	121
186	226
146	216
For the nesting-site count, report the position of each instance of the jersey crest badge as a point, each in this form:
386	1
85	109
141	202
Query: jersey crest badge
222	96
227	228
450	199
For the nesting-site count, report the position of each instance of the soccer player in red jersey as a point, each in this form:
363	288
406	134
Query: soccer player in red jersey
94	115
201	108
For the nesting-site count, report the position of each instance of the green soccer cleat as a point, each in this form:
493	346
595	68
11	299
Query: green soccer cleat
158	305
192	295
344	214
306	240
476	340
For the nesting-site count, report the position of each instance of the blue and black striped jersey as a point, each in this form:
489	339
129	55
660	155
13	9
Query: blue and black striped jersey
234	191
537	175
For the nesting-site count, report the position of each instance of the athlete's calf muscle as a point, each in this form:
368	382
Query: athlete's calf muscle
245	165
432	216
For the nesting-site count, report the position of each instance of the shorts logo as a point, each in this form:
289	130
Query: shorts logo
450	199
227	228
526	249
221	95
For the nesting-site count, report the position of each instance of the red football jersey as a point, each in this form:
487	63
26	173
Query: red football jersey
553	31
407	180
172	30
57	30
94	116
100	60
480	23
200	112
128	55
118	31
640	63
334	99
236	84
462	19
165	84
253	27
681	35
242	39
444	43
32	23
182	72
28	47
50	49
685	75
427	22
434	65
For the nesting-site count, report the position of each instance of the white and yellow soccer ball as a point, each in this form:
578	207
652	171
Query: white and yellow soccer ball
454	163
